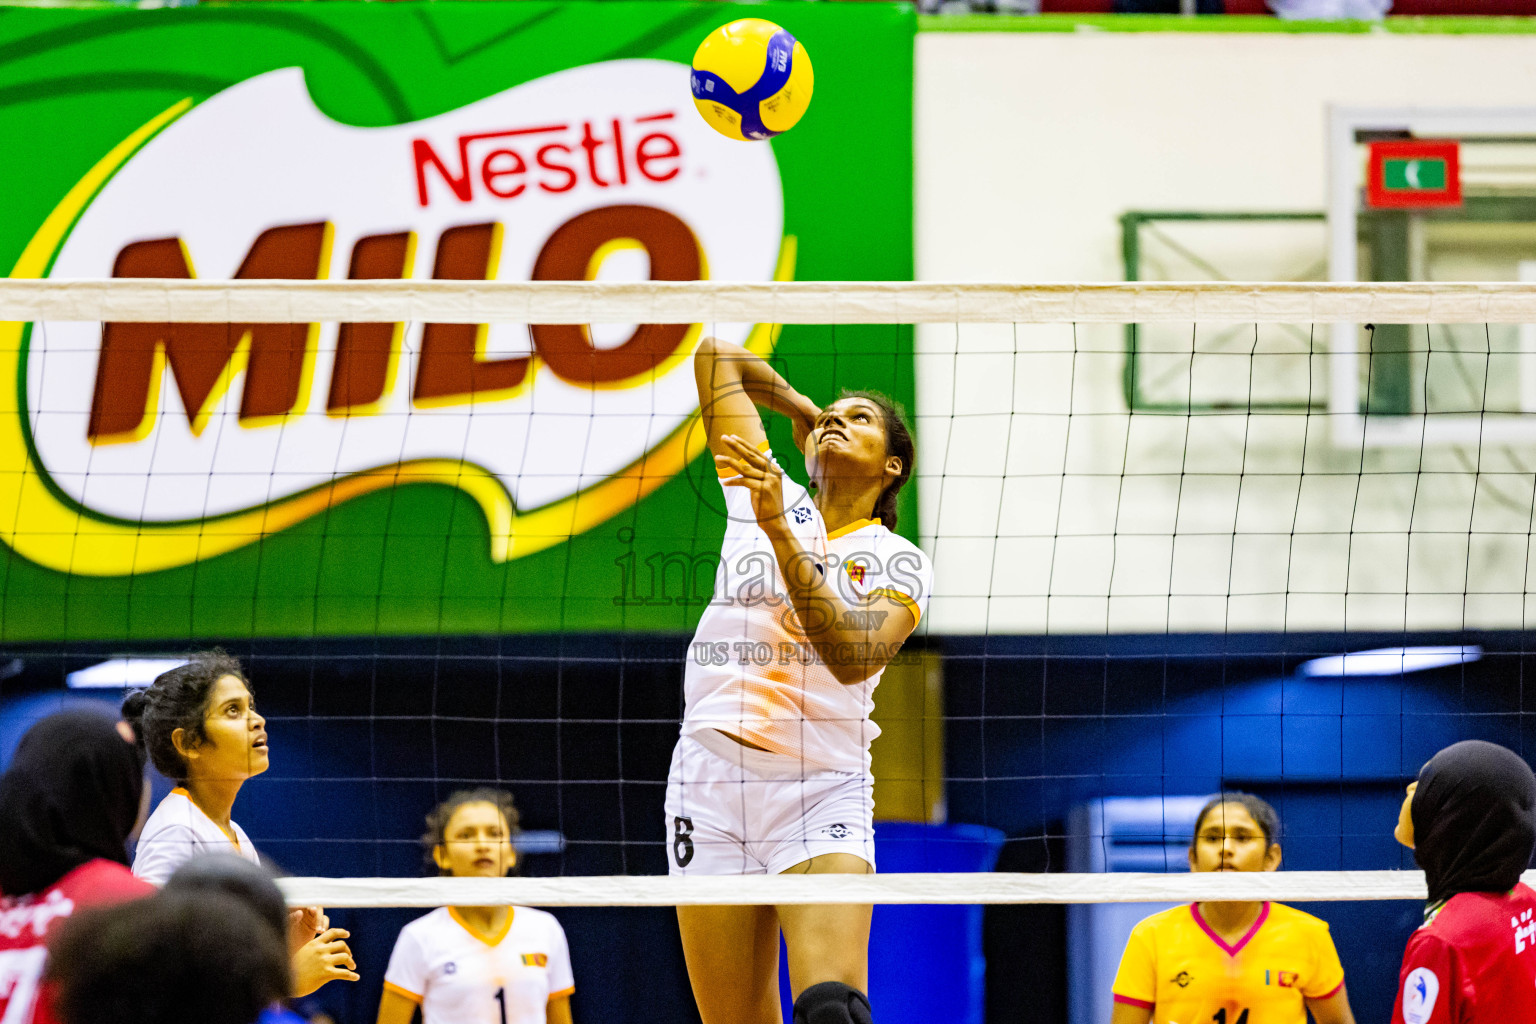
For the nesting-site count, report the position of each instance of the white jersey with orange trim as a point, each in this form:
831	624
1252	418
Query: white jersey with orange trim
752	672
179	831
459	975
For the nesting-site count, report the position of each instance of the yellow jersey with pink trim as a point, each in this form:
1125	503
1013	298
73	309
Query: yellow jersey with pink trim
752	671
1178	967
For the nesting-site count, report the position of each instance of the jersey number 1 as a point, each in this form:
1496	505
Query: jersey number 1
1220	1017
501	997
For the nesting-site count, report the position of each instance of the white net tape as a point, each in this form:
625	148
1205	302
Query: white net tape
804	302
917	887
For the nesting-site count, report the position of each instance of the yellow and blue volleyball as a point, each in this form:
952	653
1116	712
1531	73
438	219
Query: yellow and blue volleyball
751	80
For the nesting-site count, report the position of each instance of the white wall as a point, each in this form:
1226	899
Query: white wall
1030	144
1045	505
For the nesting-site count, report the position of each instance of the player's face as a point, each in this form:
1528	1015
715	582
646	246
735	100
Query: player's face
849	438
236	736
1404	831
477	843
1230	840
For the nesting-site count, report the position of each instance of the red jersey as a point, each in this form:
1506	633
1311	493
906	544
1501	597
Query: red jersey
1472	962
26	921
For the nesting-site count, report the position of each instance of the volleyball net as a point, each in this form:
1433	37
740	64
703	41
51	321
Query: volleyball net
904	888
1186	539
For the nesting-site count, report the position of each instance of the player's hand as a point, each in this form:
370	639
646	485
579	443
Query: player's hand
323	959
304	923
754	470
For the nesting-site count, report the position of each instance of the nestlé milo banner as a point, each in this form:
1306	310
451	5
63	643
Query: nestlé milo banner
178	480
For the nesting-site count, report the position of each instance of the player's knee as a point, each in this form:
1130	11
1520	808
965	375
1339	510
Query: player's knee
832	1002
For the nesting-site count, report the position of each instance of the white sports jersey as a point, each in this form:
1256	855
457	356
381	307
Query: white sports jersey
458	975
751	671
179	831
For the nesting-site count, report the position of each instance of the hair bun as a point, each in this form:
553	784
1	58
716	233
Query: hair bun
134	706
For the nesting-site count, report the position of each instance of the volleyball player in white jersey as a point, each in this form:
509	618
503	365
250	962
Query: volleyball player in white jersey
200	726
201	729
478	965
813	597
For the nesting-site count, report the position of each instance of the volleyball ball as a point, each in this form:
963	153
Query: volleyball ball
751	80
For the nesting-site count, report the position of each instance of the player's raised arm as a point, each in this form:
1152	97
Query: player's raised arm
733	383
859	455
855	635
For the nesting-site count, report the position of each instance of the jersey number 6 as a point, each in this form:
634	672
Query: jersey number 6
682	842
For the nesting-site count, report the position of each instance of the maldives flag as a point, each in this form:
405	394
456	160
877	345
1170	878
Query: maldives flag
1413	174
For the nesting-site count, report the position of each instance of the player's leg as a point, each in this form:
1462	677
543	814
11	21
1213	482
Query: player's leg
827	942
732	952
733	963
826	822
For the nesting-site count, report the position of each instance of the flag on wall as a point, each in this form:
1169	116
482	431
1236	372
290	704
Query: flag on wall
1414	174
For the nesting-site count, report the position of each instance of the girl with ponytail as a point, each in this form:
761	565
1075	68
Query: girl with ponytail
200	726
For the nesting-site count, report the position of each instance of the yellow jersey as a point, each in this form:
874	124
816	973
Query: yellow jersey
1179	968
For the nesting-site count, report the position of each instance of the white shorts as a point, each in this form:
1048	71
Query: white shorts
736	811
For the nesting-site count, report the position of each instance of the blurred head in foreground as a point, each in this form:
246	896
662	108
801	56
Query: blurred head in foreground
235	876
1236	832
201	955
317	952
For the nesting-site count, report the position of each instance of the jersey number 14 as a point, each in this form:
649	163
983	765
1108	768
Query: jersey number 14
1219	1017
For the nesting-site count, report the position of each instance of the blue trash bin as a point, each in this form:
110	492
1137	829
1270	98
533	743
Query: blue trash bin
925	962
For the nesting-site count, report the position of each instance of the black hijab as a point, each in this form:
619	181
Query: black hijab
71	795
1474	819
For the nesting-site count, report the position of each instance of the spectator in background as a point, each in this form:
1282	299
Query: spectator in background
1331	10
71	798
176	958
1470	819
1167	7
1220	961
200	726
